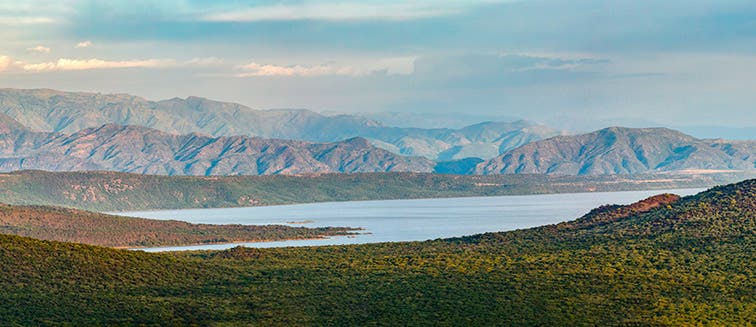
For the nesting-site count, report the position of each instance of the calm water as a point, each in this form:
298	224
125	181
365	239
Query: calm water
407	220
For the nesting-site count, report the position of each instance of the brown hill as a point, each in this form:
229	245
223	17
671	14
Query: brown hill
618	150
149	151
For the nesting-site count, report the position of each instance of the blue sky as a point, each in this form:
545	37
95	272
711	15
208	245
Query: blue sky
670	62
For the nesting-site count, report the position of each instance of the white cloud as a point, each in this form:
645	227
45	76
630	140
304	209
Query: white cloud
255	69
64	64
25	20
5	62
83	44
39	49
346	11
391	66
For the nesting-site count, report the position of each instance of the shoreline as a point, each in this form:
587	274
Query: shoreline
323	237
591	190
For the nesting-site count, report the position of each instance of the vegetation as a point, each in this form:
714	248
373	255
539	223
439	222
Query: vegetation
69	225
665	261
110	191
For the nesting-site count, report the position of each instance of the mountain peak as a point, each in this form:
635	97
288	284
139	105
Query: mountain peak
622	150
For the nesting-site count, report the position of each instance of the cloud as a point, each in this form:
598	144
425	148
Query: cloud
64	64
344	11
255	69
25	20
390	66
5	62
500	65
83	44
39	49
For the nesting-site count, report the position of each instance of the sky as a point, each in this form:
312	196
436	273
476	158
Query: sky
676	63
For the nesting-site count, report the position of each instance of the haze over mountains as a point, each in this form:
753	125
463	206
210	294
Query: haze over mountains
63	131
149	151
56	111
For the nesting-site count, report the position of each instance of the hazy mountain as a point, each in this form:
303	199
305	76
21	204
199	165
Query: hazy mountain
580	125
724	132
144	150
68	112
434	119
618	150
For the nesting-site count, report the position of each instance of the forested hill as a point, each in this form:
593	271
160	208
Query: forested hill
111	191
70	225
662	262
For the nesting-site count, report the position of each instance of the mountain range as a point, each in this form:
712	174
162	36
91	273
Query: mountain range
149	151
64	131
617	150
46	110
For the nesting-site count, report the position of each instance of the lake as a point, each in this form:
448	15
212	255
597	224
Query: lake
406	220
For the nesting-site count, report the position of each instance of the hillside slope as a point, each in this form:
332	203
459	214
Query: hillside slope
68	112
618	150
69	225
148	151
665	261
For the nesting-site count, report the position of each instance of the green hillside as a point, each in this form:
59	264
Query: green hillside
110	191
664	261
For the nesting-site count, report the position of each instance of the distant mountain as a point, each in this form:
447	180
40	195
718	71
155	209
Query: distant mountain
45	110
433	119
149	151
483	140
618	150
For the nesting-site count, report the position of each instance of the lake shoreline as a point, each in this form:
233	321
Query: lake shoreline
410	219
141	248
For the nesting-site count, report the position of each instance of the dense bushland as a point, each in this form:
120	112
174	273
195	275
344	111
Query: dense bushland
110	191
666	261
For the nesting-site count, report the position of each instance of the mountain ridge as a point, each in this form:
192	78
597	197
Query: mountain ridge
621	150
144	150
49	110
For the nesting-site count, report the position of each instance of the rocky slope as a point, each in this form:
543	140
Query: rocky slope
148	151
55	111
618	150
